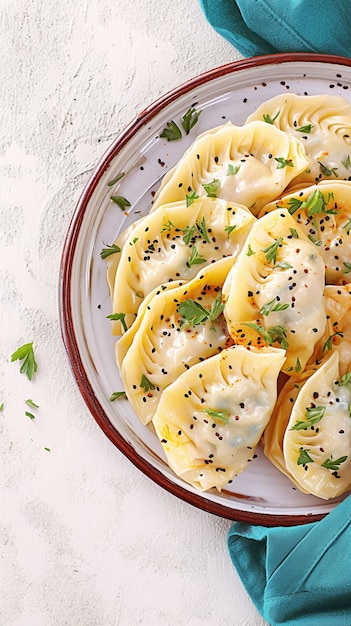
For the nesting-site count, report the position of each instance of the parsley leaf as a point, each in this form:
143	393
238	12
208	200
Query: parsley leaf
30	402
332	464
271	251
116	179
267	118
305	129
202	229
25	354
146	384
105	252
119	317
313	414
347	226
347	267
190	198
195	258
270	335
189	119
329	342
194	313
346	162
172	132
229	229
231	171
272	306
304	457
345	381
283	163
122	202
116	395
222	416
294	205
316	203
212	188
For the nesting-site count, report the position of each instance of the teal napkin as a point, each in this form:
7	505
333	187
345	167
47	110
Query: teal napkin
257	27
299	575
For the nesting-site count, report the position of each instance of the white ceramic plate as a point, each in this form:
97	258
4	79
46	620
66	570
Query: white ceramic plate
261	494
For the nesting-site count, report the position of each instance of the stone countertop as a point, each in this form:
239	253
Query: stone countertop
86	539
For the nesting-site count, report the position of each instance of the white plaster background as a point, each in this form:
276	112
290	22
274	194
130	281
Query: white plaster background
86	539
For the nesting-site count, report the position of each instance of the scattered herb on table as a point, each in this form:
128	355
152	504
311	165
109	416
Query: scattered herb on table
25	354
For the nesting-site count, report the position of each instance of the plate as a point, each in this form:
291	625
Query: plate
260	494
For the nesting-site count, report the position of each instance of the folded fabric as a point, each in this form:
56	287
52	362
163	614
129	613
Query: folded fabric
257	27
299	575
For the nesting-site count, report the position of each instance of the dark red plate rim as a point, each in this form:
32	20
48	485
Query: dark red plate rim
66	321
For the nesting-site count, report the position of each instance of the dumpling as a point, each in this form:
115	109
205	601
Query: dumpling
179	328
323	212
124	342
322	123
317	441
337	334
274	293
172	243
210	420
273	435
249	164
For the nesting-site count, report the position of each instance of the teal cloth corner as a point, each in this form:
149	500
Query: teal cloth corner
299	575
258	27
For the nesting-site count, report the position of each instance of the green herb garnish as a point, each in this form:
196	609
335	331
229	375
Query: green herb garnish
194	313
116	395
122	202
346	162
329	342
212	188
172	132
146	384
116	179
222	416
118	317
272	306
30	402
202	229
305	129
294	205
229	229
190	198
267	118
231	171
270	335
189	119
332	464
195	258
25	354
283	163
271	251
313	415
304	457
105	252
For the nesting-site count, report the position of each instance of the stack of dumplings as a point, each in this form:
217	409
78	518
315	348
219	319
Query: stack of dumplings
231	300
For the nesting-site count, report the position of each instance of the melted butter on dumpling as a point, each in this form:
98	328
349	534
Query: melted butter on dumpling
322	123
210	420
171	243
249	164
317	441
274	293
323	212
179	328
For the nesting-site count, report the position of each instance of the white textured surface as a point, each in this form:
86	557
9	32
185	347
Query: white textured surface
86	539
